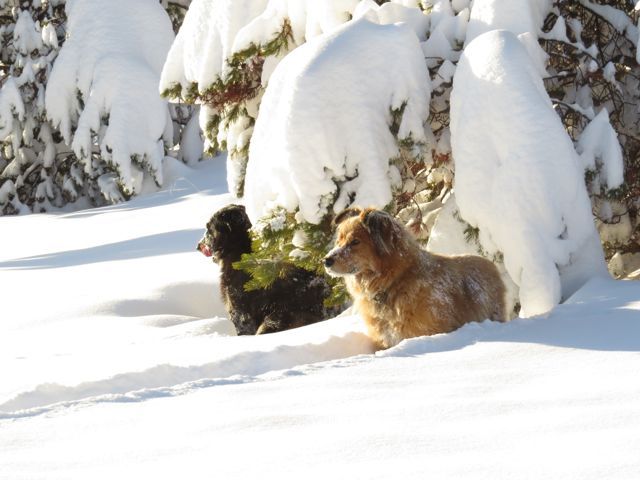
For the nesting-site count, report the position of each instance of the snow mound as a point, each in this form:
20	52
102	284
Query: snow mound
240	360
518	177
322	135
105	83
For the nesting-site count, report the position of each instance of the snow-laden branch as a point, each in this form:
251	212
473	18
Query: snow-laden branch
322	139
104	89
518	177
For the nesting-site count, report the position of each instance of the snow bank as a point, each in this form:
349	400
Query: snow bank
518	177
475	402
105	83
322	136
235	360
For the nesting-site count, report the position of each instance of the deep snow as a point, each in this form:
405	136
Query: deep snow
117	362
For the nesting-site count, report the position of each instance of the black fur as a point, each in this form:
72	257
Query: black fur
290	302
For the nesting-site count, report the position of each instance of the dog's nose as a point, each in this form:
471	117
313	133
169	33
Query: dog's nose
328	261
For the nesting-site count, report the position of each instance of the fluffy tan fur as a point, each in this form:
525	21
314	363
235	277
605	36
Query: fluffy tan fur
403	291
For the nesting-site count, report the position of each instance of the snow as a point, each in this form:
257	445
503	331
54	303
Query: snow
308	19
124	366
215	30
113	63
518	177
316	96
205	41
191	143
10	105
617	18
516	16
448	31
600	149
119	361
390	13
26	35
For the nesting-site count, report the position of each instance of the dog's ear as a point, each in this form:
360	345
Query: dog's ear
244	221
385	232
346	213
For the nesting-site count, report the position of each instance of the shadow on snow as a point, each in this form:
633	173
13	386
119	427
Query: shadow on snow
180	241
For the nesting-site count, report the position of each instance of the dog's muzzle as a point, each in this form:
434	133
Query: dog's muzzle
330	263
204	249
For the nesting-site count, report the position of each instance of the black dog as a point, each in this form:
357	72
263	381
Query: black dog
289	302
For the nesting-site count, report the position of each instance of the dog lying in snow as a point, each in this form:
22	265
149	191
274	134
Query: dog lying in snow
403	291
289	302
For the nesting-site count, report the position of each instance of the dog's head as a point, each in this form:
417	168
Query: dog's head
364	238
227	232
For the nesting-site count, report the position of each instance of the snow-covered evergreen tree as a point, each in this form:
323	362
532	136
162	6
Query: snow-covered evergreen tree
225	67
32	176
243	43
310	102
591	78
103	92
101	128
594	82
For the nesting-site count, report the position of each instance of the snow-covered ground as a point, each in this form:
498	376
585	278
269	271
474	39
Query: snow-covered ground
118	362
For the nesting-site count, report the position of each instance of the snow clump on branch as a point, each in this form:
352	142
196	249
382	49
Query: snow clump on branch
518	177
104	89
322	138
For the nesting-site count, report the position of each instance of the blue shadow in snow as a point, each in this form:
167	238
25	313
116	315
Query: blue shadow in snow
179	241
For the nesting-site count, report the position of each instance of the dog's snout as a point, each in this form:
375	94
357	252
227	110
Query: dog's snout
329	260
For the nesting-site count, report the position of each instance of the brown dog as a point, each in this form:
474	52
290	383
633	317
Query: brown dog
403	291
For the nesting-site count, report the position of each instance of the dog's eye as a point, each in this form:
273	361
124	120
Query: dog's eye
354	242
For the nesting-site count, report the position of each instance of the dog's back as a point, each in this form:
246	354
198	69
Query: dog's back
468	288
439	295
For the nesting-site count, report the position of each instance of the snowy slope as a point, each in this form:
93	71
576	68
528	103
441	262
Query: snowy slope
118	362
